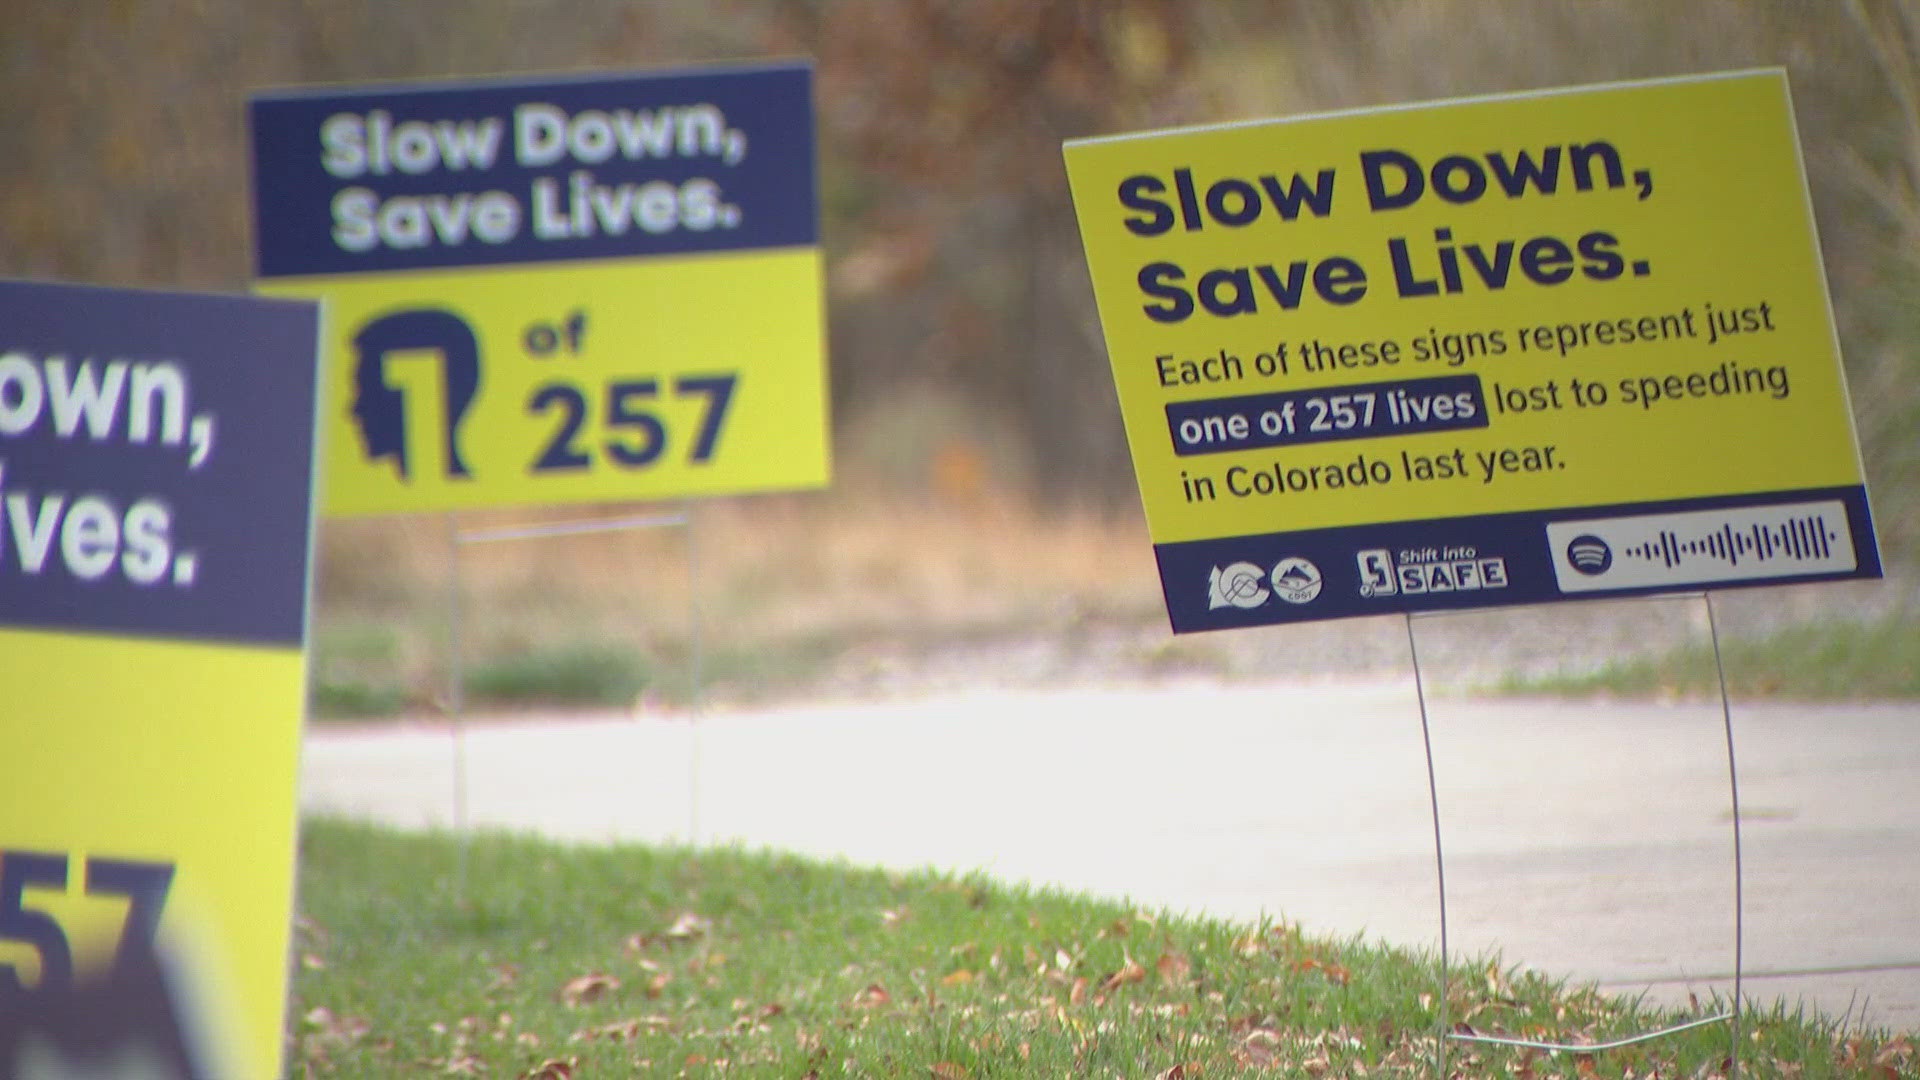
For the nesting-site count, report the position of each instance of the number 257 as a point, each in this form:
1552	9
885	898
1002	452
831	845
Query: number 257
144	884
636	433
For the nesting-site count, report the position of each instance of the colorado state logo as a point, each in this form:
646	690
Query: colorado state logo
1239	585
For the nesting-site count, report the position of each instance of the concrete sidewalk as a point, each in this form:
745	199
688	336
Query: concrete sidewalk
1587	840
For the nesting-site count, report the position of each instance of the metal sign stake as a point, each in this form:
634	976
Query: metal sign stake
456	662
1739	875
456	703
1731	1014
696	675
1439	858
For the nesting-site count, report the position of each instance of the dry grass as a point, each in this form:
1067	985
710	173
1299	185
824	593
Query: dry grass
774	584
768	567
861	591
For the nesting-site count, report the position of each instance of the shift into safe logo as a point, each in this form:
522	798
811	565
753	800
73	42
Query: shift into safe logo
1414	571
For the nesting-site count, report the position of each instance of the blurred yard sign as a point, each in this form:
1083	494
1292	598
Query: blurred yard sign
1503	350
590	288
156	464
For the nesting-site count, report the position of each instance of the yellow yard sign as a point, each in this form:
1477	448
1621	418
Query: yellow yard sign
1405	358
156	486
595	288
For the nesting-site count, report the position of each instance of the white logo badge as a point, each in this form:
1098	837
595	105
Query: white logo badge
1376	572
1236	586
1296	580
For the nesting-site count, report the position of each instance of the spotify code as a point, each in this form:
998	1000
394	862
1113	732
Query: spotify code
1701	547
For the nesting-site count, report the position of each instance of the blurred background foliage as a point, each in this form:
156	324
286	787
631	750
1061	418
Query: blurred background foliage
967	363
960	308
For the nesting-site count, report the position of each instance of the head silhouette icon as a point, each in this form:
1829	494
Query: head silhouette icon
379	408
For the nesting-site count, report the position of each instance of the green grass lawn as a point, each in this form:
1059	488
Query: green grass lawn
513	957
1827	661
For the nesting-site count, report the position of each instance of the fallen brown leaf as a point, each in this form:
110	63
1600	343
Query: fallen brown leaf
957	978
947	1070
1173	968
1078	995
618	1031
462	1065
585	988
552	1069
1130	972
623	1030
1895	1049
689	926
340	1030
1260	1047
323	1032
872	997
1335	973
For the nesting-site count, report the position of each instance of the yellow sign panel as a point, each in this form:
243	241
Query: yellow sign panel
153	808
569	289
1380	335
156	451
571	382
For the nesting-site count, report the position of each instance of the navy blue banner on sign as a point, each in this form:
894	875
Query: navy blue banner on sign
156	462
1585	553
526	171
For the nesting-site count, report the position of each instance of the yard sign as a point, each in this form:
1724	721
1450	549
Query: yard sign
156	478
1511	349
591	288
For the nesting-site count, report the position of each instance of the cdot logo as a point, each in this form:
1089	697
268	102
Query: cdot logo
1296	580
1240	585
